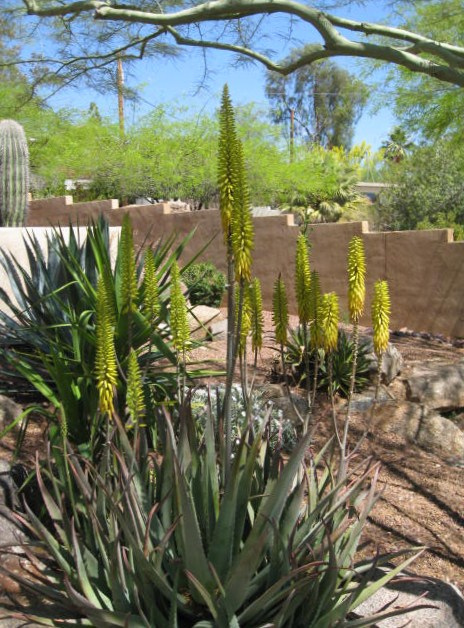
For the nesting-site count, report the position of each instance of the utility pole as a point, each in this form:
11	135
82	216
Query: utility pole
120	86
292	134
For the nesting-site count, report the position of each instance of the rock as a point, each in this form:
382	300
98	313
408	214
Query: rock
391	364
421	425
437	385
448	603
202	315
11	536
9	411
361	402
217	330
293	410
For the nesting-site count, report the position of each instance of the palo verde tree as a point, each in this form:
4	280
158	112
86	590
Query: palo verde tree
234	26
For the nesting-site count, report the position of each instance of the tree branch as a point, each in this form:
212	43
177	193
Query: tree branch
447	63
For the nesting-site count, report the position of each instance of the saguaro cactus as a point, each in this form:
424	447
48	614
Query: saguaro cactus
14	174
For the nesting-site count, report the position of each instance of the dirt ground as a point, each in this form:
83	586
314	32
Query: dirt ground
423	498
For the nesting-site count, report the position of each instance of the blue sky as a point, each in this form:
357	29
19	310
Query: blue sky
182	81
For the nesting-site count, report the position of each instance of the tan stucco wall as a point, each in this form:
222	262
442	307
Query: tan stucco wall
425	269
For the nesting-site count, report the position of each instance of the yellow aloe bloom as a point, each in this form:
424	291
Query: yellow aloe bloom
315	330
381	316
128	286
241	223
134	397
280	311
227	160
151	304
257	317
356	278
329	316
105	359
179	321
302	279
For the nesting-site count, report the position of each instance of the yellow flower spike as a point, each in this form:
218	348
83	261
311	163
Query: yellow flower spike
356	278
280	311
105	359
227	160
241	222
128	288
134	397
180	329
381	316
329	315
151	305
302	279
314	299
257	317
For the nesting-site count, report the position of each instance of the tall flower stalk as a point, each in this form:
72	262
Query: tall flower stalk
356	298
328	316
180	329
380	312
280	321
315	332
302	292
237	227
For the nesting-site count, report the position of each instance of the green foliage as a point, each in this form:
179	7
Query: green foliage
326	101
205	284
143	542
425	106
427	191
342	357
14	174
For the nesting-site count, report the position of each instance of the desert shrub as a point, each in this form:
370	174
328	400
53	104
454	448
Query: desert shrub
342	362
205	284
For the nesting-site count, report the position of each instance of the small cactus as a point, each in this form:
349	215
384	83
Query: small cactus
14	174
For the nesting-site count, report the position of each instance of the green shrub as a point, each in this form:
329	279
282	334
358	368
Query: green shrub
342	363
205	284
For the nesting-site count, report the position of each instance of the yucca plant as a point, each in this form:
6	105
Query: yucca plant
150	540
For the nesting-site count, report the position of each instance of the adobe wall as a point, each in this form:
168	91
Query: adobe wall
425	269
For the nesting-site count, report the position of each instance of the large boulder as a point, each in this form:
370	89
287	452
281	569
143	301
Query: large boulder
439	386
441	607
391	363
423	426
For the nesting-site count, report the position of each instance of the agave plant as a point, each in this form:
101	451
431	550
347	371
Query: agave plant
154	539
50	337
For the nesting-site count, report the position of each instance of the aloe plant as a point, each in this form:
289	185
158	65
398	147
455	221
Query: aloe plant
50	339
